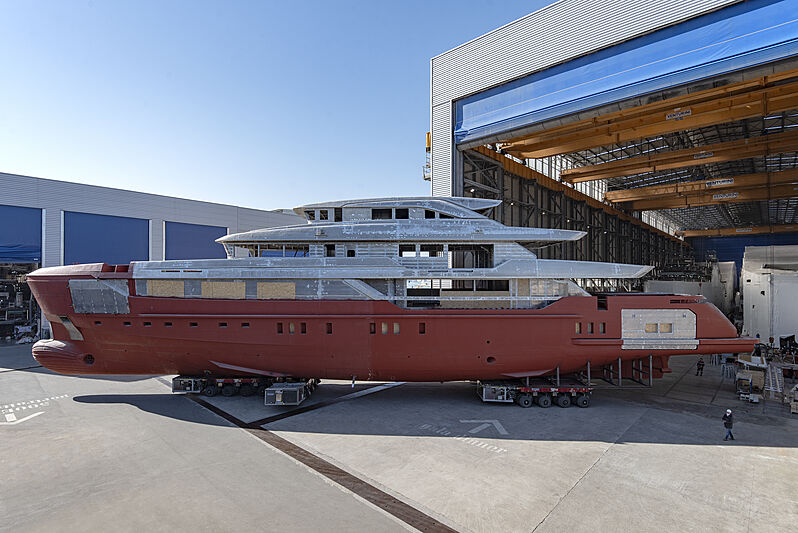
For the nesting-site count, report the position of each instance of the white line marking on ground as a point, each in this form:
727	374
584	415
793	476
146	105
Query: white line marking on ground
11	423
486	424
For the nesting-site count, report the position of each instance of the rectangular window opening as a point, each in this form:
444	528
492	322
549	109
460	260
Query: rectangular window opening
310	214
126	323
431	250
422	328
602	327
396	328
590	328
402	213
303	328
329	328
350	253
222	324
407	250
245	324
193	325
578	328
339	214
291	328
651	328
98	323
329	250
372	328
167	324
666	327
279	328
323	214
381	214
384	328
147	324
429	214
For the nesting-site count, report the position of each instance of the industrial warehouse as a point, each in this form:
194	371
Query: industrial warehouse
589	324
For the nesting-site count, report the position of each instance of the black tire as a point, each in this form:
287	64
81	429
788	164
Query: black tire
210	390
246	389
583	400
564	400
228	390
544	400
525	400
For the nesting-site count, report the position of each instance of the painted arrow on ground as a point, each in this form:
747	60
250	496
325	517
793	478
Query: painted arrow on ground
486	424
11	418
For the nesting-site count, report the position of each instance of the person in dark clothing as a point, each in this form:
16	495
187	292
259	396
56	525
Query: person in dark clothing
728	423
699	367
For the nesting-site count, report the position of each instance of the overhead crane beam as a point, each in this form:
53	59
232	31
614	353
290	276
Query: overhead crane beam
712	153
717	197
745	181
754	98
730	232
527	173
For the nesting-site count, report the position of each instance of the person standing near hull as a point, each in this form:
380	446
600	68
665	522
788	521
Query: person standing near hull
728	423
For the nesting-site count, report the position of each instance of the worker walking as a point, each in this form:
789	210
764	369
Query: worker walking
699	367
728	423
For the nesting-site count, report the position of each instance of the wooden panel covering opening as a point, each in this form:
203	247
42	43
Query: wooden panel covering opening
172	288
229	290
271	290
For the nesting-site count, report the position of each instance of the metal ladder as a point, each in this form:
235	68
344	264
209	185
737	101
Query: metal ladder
774	381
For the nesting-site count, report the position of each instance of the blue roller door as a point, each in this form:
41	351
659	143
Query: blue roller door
20	234
737	37
193	241
90	238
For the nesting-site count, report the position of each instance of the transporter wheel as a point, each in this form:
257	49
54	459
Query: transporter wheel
246	390
583	400
525	400
564	400
544	400
228	390
210	390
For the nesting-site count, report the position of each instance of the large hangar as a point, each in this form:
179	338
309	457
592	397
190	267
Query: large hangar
48	223
652	126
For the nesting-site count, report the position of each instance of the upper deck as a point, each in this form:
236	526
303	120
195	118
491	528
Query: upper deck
447	220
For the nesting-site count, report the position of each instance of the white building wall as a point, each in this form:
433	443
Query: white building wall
55	197
555	34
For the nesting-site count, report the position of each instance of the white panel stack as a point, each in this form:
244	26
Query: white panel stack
769	284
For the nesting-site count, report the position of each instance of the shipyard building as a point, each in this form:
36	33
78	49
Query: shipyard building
48	223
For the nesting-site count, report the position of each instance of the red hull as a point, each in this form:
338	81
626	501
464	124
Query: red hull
336	339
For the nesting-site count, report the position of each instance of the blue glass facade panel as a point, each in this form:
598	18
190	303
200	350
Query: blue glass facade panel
90	238
737	37
20	234
193	241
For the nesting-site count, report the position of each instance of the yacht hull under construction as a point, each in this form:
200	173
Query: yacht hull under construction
366	340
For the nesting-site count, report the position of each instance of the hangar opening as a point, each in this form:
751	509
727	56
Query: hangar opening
656	129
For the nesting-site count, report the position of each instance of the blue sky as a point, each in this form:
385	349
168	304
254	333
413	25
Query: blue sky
262	104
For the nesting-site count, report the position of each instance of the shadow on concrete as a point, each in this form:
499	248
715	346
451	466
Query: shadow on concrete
438	410
168	405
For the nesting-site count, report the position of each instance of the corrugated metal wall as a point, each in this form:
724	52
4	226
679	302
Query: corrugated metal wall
552	35
56	197
441	157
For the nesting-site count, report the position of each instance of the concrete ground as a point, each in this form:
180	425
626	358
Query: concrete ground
126	452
